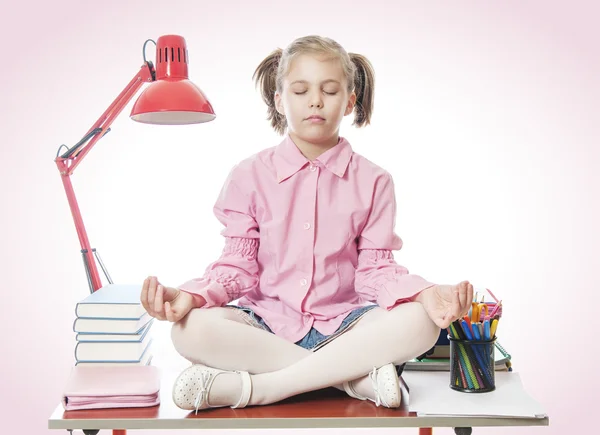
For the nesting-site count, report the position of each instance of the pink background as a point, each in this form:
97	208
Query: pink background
486	115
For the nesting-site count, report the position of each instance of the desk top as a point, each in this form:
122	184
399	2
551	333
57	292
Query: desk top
329	408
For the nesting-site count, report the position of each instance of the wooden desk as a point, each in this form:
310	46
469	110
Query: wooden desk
328	408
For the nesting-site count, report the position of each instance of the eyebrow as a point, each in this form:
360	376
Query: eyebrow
323	82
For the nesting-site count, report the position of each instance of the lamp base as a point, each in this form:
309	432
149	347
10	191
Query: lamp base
88	271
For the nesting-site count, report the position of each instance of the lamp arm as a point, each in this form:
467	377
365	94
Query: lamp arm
69	160
72	157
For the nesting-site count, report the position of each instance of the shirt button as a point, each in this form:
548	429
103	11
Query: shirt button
312	168
307	226
303	282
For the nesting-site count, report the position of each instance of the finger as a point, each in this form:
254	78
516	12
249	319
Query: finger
462	295
169	314
469	296
455	308
144	295
150	298
152	293
170	293
159	307
466	303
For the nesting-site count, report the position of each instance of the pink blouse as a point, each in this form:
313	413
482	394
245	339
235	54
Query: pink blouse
307	242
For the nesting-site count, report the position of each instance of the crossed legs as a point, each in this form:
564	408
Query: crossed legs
219	337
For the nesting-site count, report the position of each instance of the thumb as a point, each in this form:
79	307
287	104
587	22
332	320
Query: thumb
170	293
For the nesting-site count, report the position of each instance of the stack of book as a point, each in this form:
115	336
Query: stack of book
113	328
502	362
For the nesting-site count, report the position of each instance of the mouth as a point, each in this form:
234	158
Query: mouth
315	118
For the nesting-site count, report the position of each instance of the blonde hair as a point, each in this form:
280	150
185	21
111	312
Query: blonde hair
358	70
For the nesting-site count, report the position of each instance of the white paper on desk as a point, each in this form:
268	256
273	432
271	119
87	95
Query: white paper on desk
430	394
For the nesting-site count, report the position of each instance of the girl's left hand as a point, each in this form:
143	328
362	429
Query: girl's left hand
446	303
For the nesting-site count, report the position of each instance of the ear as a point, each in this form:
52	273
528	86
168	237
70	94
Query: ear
278	103
351	104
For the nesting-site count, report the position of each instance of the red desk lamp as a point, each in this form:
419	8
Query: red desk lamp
170	99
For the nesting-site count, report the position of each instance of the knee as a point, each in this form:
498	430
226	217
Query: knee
421	325
428	330
192	334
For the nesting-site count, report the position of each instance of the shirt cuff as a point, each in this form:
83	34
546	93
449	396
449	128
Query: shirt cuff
402	290
213	293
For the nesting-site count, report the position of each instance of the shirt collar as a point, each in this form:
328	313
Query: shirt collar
289	160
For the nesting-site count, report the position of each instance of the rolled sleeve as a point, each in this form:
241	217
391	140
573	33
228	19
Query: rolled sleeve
236	272
378	278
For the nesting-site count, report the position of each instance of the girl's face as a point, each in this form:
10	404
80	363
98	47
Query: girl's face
315	87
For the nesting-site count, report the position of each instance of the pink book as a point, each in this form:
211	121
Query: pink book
94	387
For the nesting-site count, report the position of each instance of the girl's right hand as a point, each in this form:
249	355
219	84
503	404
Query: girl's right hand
165	303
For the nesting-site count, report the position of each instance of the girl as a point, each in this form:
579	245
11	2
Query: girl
309	235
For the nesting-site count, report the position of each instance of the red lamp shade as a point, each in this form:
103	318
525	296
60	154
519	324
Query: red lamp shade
172	98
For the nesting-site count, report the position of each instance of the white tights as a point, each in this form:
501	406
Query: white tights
220	338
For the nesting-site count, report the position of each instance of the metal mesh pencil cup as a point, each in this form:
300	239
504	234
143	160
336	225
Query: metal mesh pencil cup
472	365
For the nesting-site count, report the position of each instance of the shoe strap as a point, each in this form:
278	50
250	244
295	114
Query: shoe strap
207	377
246	390
351	391
374	375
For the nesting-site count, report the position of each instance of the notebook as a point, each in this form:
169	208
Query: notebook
99	387
502	361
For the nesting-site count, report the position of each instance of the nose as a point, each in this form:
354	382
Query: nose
316	101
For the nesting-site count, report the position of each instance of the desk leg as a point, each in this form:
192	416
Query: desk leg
425	431
119	432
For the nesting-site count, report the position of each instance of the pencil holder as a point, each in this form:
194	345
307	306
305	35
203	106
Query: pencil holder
472	365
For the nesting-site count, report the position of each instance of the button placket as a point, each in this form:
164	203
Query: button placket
306	268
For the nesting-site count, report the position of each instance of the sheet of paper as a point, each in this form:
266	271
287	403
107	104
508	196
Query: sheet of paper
430	394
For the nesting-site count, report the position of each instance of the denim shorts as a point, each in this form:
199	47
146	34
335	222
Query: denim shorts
313	340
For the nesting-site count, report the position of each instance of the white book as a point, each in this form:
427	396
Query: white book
113	301
145	360
111	326
103	336
112	350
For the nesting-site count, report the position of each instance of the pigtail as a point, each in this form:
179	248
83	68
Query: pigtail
364	87
265	77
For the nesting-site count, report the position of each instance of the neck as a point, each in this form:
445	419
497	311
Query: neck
312	150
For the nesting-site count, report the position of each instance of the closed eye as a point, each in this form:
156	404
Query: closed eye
304	92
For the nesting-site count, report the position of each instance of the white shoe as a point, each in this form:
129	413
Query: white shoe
386	386
192	386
